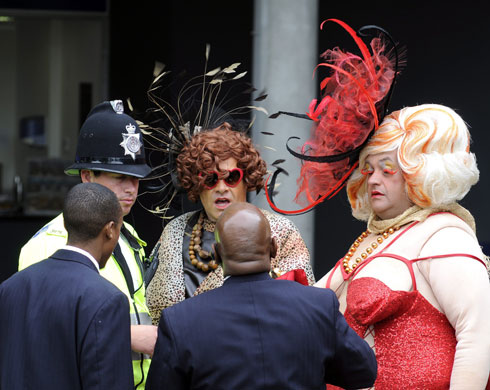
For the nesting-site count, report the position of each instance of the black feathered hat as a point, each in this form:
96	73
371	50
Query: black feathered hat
201	103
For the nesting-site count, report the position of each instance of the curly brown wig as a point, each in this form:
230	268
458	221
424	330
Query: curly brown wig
207	149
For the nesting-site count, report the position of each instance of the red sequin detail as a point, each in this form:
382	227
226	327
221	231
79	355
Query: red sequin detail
414	342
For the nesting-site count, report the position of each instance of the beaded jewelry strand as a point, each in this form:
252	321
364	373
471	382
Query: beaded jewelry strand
368	251
195	247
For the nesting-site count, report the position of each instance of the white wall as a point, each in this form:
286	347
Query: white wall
82	61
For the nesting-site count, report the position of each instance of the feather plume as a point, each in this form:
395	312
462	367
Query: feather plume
157	68
181	108
231	68
354	100
280	161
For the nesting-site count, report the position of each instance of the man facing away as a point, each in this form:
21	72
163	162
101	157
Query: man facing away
255	332
110	152
62	325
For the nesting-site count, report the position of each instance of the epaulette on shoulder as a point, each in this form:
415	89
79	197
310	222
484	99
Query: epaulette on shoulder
54	231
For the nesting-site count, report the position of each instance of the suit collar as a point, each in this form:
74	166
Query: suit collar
69	255
248	278
83	252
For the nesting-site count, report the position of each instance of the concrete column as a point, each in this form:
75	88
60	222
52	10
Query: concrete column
285	54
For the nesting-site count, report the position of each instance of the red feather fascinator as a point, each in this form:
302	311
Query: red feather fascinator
354	102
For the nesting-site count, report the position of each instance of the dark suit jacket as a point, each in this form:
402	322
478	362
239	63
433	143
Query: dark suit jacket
63	326
258	333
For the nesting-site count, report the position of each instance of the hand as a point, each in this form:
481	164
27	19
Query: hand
143	338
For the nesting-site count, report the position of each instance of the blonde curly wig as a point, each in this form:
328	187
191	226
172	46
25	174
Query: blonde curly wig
433	151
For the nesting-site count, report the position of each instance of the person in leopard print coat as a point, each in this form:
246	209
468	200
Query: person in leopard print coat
217	167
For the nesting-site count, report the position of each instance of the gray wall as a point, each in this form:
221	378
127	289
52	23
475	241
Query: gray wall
44	60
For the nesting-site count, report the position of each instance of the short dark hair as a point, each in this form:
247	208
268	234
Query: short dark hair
87	209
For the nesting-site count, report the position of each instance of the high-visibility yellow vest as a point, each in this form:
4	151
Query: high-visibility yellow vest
53	236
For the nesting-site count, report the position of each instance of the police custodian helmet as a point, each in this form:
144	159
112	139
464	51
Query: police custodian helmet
110	141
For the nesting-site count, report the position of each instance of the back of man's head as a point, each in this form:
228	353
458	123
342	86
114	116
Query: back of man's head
87	209
243	240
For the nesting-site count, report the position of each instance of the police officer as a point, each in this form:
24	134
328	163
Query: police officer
110	152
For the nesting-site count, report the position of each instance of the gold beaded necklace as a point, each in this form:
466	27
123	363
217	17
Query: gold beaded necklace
195	247
369	249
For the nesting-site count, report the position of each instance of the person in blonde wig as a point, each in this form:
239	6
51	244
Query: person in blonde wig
432	144
415	283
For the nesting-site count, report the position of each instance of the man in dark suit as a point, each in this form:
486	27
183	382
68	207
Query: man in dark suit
255	332
63	326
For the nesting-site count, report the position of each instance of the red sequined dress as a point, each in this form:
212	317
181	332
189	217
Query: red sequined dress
415	343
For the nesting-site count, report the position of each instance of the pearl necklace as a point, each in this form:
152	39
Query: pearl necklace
369	249
195	247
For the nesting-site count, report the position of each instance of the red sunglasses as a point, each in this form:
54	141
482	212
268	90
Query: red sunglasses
232	178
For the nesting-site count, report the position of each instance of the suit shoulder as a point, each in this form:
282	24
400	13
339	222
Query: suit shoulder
323	293
77	274
113	294
97	292
191	306
97	281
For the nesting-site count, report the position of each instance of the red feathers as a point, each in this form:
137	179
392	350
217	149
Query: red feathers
354	95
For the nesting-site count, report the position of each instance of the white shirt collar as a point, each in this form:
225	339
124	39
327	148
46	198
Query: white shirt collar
85	253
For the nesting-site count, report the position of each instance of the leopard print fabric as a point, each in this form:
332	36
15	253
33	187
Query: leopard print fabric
167	286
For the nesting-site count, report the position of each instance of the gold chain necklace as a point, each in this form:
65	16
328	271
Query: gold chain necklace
368	251
195	247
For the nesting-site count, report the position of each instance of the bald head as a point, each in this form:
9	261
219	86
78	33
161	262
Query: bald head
243	240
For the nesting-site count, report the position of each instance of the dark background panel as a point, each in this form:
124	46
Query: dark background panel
15	232
56	5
